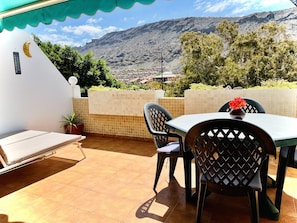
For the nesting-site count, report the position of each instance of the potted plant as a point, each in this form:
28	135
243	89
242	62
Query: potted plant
236	106
72	124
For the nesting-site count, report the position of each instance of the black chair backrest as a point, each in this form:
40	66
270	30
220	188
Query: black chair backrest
252	106
156	117
228	153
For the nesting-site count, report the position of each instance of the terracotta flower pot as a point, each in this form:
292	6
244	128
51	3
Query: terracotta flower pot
237	113
77	130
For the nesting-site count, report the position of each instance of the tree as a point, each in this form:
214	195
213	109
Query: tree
200	52
229	58
228	31
89	71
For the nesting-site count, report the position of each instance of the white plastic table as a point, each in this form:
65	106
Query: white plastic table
282	129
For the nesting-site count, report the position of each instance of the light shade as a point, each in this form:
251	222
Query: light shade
72	80
19	13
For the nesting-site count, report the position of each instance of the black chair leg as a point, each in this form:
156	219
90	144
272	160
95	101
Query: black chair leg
254	205
173	161
280	178
200	201
160	162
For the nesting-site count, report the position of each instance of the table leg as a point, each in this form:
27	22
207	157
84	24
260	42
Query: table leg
267	208
286	158
188	156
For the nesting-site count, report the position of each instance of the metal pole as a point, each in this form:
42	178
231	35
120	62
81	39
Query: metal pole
161	70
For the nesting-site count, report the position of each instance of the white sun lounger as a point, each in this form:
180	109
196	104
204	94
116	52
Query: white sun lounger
21	148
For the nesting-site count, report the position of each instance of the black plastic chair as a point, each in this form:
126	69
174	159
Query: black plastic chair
231	158
252	106
156	117
287	158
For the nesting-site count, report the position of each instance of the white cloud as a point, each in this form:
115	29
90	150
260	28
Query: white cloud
219	7
140	22
244	6
239	11
92	31
111	29
267	3
73	35
236	7
212	6
94	20
80	34
59	39
83	29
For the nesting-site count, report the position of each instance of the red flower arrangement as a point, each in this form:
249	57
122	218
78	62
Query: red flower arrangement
237	103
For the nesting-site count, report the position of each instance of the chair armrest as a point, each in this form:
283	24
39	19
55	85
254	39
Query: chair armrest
158	133
169	134
174	135
180	139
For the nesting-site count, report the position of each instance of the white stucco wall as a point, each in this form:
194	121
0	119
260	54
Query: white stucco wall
38	97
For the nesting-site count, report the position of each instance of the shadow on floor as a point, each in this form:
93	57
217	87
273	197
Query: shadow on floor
160	206
4	219
120	145
20	178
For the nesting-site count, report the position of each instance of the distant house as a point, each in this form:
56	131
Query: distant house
167	77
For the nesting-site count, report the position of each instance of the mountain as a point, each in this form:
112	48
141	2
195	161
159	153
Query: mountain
138	51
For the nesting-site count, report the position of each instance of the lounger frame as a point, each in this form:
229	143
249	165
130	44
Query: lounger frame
42	155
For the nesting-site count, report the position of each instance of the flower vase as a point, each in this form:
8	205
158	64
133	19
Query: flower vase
237	113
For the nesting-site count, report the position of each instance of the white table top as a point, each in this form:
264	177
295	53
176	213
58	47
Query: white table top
282	129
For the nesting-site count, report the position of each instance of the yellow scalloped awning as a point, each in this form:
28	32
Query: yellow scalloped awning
20	13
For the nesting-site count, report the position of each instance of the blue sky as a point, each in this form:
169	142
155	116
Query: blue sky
77	32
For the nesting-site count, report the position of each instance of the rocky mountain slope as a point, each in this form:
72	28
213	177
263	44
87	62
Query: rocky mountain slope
139	50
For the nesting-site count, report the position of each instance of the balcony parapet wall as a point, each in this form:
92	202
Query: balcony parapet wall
121	102
274	101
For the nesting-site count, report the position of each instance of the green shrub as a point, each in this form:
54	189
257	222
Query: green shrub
201	86
277	83
102	88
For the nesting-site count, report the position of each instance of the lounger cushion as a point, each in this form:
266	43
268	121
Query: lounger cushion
30	143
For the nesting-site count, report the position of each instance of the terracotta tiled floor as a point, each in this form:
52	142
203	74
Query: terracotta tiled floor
114	184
